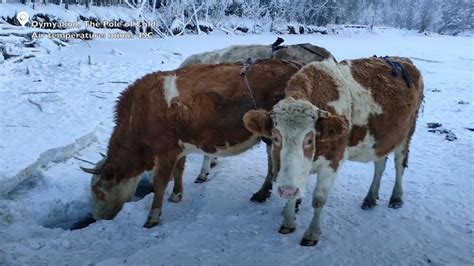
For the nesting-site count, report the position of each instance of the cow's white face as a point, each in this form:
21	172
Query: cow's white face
293	126
294	136
108	197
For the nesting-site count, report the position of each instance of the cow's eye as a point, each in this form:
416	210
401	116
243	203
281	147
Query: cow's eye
276	140
276	137
308	141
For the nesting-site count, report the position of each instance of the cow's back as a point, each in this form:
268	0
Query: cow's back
203	105
302	53
235	53
397	100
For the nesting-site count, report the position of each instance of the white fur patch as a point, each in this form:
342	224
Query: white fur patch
321	162
323	167
363	104
170	88
355	102
364	151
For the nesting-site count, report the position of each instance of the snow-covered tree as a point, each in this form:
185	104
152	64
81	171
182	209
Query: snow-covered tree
456	16
177	16
426	15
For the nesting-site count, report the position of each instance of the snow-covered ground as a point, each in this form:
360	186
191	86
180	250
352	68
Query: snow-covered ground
61	112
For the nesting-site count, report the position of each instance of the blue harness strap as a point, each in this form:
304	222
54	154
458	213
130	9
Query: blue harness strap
276	46
397	67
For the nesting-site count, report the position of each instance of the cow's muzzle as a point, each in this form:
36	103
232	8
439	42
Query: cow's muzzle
288	192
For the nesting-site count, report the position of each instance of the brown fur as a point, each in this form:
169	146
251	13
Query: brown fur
203	107
399	103
332	148
316	86
276	149
357	135
207	113
331	128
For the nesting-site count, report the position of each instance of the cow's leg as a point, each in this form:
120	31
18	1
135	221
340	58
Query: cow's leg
164	165
265	190
401	156
178	170
205	169
326	177
289	218
373	194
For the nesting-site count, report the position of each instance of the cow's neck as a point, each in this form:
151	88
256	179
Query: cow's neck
129	157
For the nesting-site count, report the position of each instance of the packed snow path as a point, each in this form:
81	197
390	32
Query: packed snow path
61	112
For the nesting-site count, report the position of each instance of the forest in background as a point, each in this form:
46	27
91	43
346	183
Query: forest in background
174	17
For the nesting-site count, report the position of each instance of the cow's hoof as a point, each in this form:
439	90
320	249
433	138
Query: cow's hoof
153	218
175	197
261	196
286	230
395	203
368	203
308	242
150	224
200	180
297	205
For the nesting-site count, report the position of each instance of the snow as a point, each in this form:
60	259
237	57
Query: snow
44	192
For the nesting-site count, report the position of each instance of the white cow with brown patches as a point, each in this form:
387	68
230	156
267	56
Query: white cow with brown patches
360	110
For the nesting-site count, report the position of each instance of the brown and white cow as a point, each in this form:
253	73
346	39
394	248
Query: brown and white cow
164	116
356	110
302	53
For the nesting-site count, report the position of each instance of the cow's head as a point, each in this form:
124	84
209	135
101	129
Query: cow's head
294	127
107	194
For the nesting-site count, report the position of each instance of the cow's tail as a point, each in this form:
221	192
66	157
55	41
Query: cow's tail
406	150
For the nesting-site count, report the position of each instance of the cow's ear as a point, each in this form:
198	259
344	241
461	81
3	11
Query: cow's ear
258	122
331	127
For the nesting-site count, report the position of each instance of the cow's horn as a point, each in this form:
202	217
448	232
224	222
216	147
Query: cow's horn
90	170
103	155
